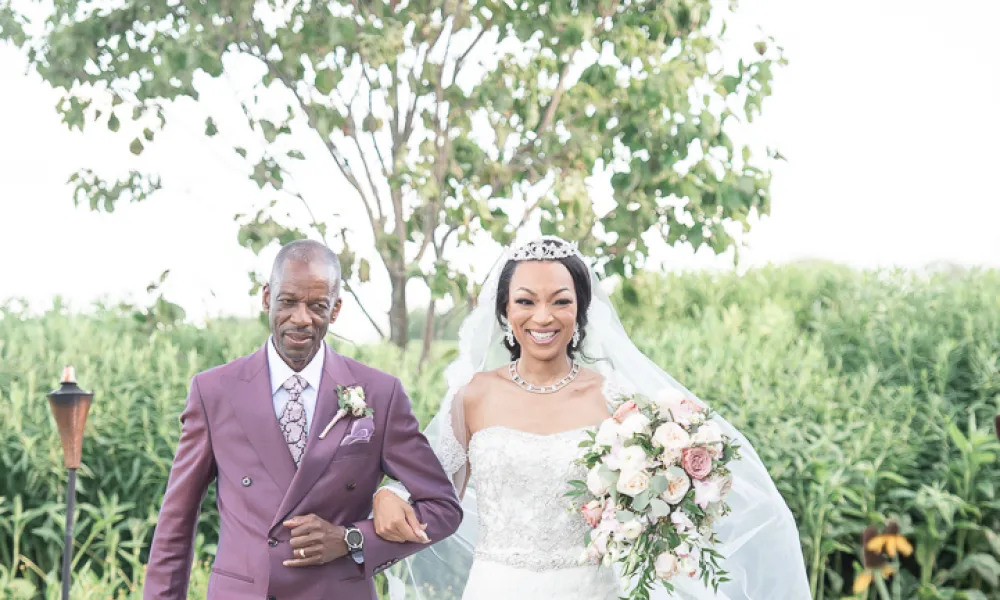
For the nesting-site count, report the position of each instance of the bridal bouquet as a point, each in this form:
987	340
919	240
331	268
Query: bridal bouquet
657	480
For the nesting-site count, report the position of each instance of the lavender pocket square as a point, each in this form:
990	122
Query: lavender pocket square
361	432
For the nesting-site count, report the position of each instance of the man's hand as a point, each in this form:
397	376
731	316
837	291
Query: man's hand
395	520
314	541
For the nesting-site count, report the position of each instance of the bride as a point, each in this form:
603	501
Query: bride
542	360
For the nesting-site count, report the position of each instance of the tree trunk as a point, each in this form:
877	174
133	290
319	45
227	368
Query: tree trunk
428	335
398	317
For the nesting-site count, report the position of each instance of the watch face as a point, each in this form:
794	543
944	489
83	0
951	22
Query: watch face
354	538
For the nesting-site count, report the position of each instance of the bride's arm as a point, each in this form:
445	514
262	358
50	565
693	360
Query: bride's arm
394	518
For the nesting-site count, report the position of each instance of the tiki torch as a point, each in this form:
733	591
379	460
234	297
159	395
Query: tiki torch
70	406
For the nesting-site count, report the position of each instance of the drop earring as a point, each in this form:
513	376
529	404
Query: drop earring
576	335
508	332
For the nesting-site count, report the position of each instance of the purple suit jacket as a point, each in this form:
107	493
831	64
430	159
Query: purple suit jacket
230	435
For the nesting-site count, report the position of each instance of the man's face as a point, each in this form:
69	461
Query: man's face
301	310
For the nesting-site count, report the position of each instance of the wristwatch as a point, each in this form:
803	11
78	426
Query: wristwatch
355	541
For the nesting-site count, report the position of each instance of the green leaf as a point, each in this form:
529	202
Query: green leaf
370	124
136	147
608	476
984	565
624	516
960	441
326	81
296	155
658	485
113	123
270	130
658	508
210	128
993	539
641	501
364	270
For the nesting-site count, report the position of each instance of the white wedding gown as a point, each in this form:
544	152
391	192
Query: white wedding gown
520	540
530	541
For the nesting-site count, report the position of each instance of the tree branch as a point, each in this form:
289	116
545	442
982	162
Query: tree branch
550	110
461	59
338	158
443	144
439	247
353	134
371	111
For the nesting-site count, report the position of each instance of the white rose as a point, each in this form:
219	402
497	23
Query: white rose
595	483
678	484
665	566
634	424
671	456
633	483
608	433
710	435
632	530
668	402
711	490
614	458
671	436
356	401
688	566
633	458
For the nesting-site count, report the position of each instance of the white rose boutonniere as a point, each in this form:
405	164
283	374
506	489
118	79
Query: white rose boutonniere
352	402
352	399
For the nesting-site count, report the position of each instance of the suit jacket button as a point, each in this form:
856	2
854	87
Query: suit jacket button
247	481
271	598
272	542
351	486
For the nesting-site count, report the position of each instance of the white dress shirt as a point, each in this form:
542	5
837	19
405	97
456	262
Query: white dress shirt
280	372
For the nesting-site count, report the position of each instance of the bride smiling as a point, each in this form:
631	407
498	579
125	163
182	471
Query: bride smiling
542	359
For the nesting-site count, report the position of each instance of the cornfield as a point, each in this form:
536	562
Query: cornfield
870	396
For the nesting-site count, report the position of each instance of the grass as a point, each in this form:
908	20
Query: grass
869	395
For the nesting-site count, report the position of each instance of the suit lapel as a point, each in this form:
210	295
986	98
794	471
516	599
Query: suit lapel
319	453
253	404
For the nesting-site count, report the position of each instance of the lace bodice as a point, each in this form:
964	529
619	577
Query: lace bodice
521	479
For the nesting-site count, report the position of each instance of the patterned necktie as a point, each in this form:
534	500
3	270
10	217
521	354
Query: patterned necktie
293	418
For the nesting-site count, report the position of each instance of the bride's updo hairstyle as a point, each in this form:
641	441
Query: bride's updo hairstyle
553	250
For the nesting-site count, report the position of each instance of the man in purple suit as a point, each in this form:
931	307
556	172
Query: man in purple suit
297	439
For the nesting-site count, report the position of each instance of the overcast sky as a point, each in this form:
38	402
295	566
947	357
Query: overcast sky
887	112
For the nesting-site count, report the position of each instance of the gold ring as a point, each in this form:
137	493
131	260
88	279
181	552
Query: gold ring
302	552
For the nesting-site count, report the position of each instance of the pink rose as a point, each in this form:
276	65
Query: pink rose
682	522
592	512
692	406
697	462
624	411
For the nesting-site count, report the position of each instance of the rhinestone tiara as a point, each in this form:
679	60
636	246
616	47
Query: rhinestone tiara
547	248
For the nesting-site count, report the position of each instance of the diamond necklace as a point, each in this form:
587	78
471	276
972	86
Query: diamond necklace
542	389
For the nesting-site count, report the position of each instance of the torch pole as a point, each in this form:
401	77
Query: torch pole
70	406
68	541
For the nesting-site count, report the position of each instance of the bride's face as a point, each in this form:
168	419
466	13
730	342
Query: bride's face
542	308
